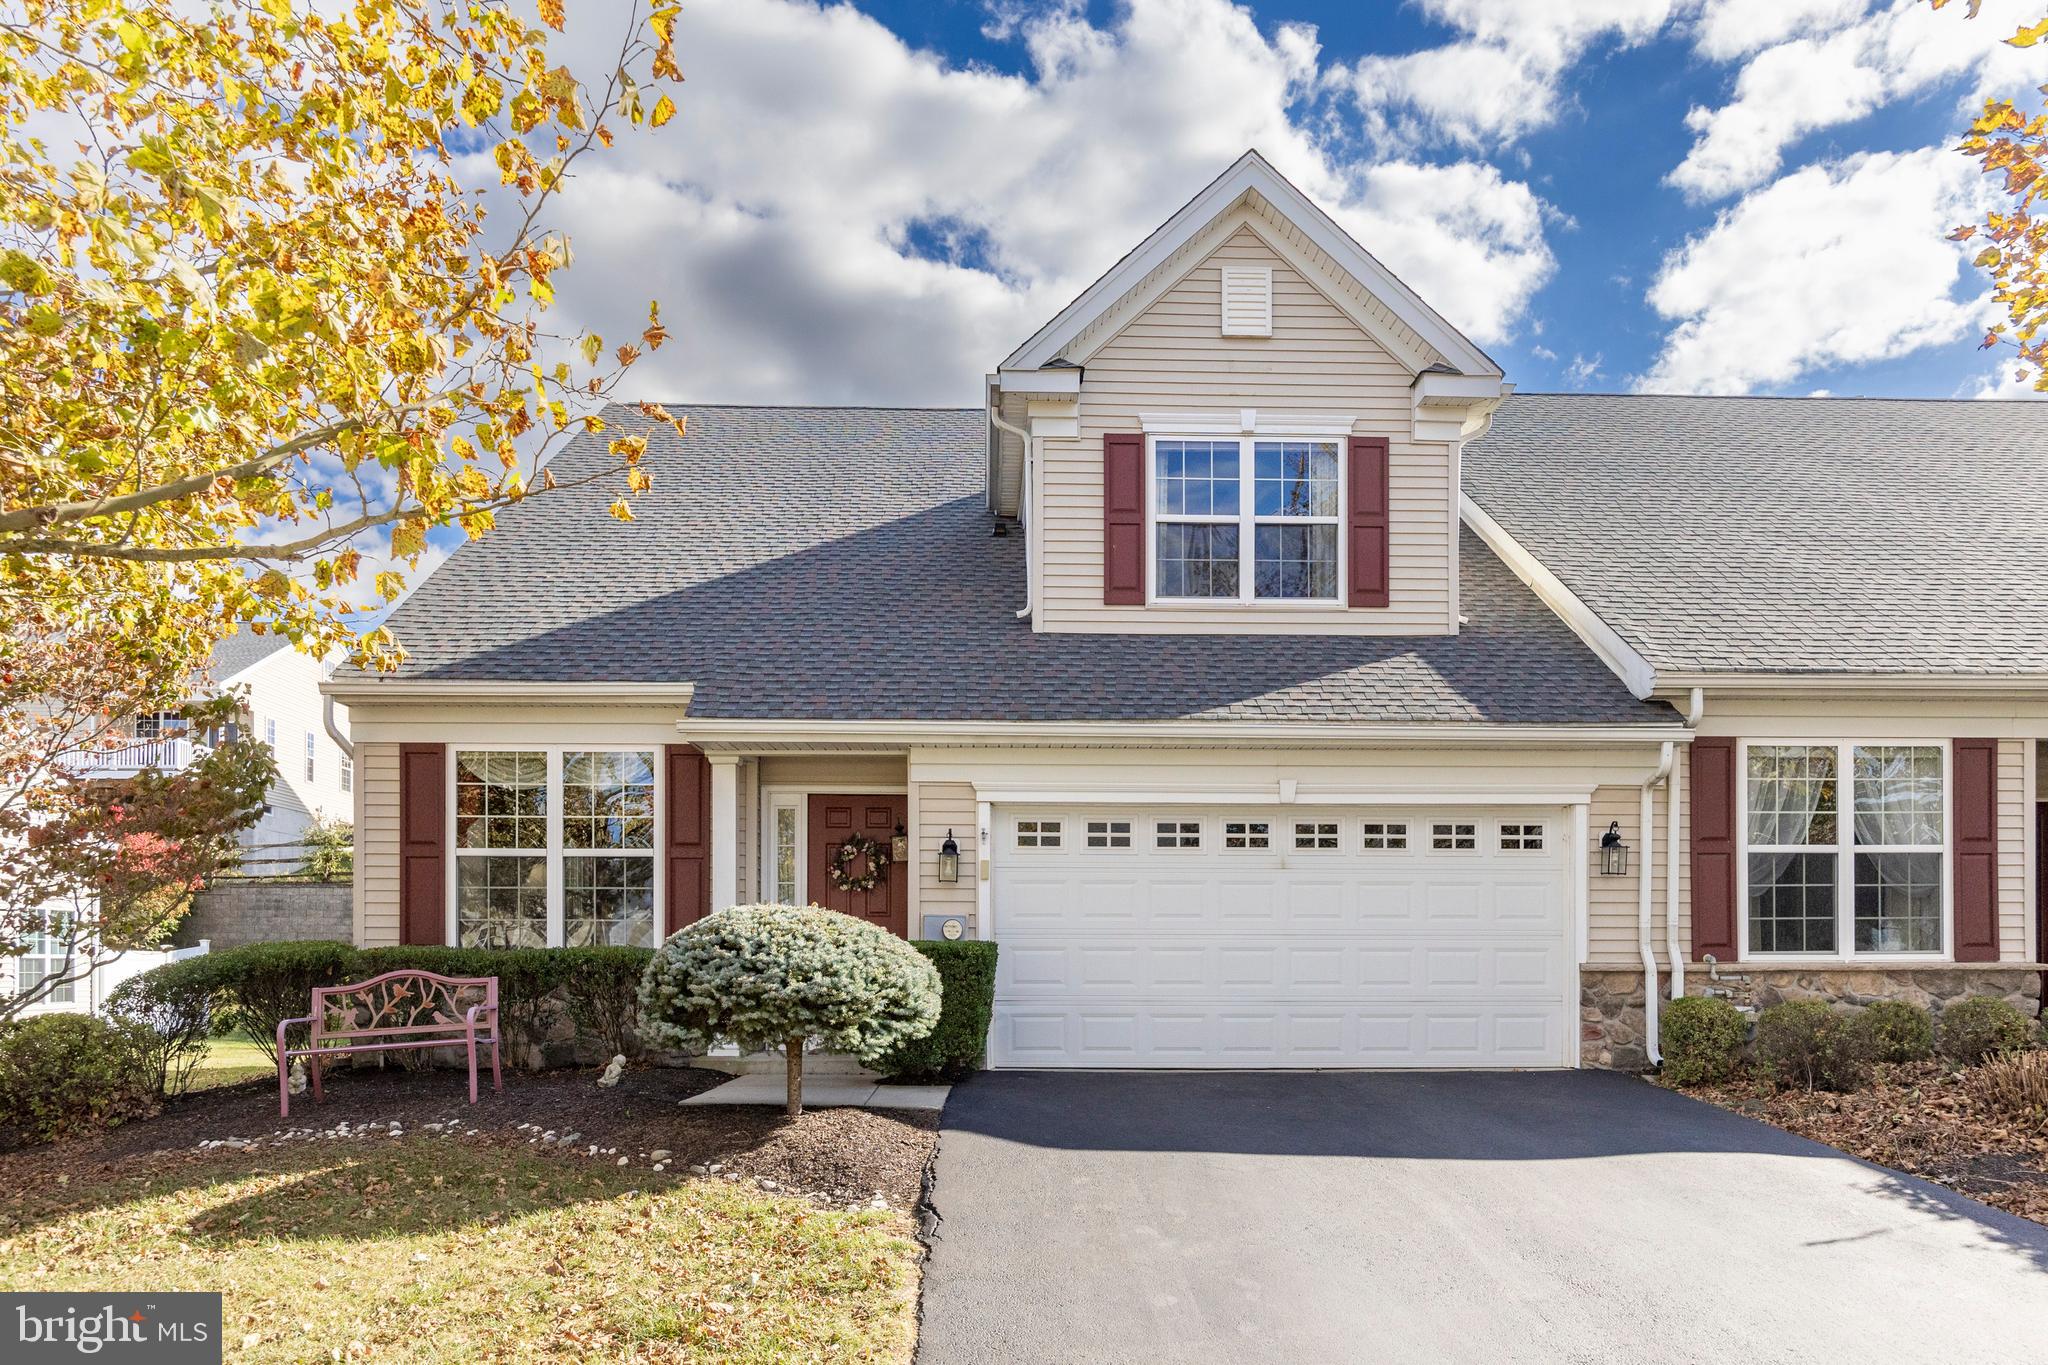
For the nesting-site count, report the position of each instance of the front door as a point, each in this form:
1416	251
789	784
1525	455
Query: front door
834	820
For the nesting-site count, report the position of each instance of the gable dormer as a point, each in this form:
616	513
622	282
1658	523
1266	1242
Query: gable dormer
1247	425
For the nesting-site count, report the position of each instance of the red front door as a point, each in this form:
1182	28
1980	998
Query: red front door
835	819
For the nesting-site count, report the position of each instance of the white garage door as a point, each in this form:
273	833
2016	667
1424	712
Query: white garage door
1162	937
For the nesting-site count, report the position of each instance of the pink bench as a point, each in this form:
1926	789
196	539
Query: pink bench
398	1011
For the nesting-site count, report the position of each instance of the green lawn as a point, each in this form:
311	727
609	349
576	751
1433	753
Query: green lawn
230	1059
435	1249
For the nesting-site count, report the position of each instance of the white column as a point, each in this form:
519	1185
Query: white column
984	850
725	830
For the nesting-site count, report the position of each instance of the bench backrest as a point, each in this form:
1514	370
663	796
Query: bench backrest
405	1001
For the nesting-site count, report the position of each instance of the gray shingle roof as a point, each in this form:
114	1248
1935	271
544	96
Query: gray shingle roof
243	649
1786	535
838	563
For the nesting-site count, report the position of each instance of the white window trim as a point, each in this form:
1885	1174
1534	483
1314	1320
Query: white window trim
774	800
1223	835
452	914
1845	848
1294	827
1479	828
1542	836
1129	835
1247	519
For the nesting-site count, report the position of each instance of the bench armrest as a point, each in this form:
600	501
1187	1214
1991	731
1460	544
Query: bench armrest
284	1024
470	1015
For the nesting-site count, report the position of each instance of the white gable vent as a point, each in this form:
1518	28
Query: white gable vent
1247	301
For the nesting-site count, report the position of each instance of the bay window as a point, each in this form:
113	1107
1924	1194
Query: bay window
554	848
1846	849
1203	525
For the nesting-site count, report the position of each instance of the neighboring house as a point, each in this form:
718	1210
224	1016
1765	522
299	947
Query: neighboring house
1277	674
282	707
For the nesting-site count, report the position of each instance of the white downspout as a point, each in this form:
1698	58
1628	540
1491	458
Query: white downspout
1645	875
334	731
1023	507
1672	947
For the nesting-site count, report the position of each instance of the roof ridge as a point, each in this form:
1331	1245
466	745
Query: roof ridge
801	407
1774	397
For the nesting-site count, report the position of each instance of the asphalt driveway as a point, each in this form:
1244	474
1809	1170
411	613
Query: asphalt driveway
1348	1216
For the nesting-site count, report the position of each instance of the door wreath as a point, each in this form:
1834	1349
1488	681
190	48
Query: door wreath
873	857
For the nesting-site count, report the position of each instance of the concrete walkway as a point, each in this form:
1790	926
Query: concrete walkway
1442	1217
823	1092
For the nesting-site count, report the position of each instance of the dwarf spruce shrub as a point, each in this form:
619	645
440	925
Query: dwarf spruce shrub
776	976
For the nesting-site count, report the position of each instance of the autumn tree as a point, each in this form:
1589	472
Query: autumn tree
274	281
2014	147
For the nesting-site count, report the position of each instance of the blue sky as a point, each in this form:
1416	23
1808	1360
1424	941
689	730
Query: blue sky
875	202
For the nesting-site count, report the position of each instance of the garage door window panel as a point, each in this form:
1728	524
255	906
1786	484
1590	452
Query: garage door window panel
1385	837
1109	834
1320	836
1453	838
1038	834
1178	834
1247	835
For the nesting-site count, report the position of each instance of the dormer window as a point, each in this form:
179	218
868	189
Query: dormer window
1203	524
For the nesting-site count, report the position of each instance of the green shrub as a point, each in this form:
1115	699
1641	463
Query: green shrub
175	1003
769	976
1701	1037
967	990
599	985
1899	1031
1811	1044
66	1074
263	983
330	845
1982	1026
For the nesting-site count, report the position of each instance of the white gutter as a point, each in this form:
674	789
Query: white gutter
334	731
1673	948
366	688
1023	506
1644	878
1794	684
1264	734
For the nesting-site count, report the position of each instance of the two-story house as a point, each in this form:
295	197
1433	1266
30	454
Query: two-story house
1290	693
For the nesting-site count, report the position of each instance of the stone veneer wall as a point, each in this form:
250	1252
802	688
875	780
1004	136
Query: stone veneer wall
1611	1001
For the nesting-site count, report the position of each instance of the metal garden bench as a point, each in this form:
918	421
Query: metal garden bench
398	1011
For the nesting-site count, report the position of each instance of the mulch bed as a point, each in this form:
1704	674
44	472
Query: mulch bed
839	1156
1916	1117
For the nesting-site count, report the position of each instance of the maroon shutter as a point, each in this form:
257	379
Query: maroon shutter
1367	534
686	837
1713	849
1123	519
422	843
1975	780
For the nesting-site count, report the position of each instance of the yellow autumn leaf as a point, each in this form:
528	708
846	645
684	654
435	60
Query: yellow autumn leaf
664	110
551	14
2029	35
621	509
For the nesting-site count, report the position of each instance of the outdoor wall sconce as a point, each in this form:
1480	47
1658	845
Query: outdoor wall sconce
949	859
1613	852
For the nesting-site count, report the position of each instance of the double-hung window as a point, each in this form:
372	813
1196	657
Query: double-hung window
554	847
1246	520
1846	850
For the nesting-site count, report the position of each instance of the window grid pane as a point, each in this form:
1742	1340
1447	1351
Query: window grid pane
1178	833
1792	902
501	800
1247	834
1525	838
1109	834
608	900
1454	836
1294	479
1315	834
1382	836
1198	559
1195	478
1038	834
1898	902
501	900
1898	795
1296	561
1792	795
608	800
785	855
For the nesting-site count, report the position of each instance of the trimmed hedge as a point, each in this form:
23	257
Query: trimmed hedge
1899	1030
967	985
66	1074
176	1003
1702	1039
257	985
1981	1026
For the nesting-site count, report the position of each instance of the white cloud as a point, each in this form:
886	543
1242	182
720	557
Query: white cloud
1583	370
1836	264
1840	66
1502	79
771	216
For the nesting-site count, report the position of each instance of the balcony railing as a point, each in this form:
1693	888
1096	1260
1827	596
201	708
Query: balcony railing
169	754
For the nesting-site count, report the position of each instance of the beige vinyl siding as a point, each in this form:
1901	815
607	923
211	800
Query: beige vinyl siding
1009	471
935	808
1613	934
1172	358
376	820
2012	850
841	771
